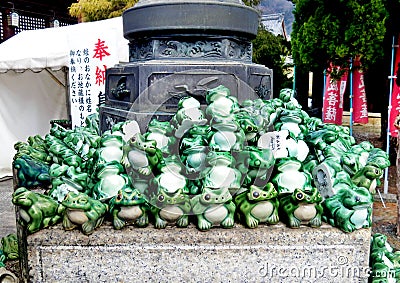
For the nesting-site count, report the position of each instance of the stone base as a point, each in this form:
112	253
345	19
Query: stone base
265	254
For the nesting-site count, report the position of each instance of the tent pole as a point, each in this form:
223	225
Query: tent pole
351	97
391	77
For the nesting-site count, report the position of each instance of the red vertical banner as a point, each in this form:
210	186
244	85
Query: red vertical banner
333	99
342	88
395	102
360	107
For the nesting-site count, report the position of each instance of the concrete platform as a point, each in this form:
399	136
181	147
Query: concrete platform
265	254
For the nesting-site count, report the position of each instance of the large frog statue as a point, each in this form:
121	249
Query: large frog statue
129	206
302	207
258	205
36	210
161	132
368	177
349	209
142	155
170	208
9	245
31	172
213	207
82	211
256	165
38	153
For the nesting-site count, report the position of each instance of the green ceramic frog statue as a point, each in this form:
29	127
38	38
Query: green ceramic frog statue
9	246
227	134
2	260
129	206
221	172
220	102
367	177
349	209
289	176
189	113
37	153
213	207
257	205
36	210
142	155
302	207
82	211
171	179
161	132
292	120
110	149
112	178
249	125
256	165
384	261
170	208
31	172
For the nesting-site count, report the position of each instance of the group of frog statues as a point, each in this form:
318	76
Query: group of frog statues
384	260
261	161
8	252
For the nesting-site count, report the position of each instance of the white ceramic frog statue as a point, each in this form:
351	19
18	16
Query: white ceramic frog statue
161	132
220	102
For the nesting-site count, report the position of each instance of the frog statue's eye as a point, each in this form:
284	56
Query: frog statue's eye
257	162
119	197
256	194
249	128
161	198
207	197
299	196
133	139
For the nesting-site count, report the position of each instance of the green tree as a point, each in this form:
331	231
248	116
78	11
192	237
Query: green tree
271	51
336	30
95	10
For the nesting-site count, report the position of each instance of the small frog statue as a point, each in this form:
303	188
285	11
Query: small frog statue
9	246
31	172
249	125
129	206
194	148
110	148
221	172
257	205
36	210
289	176
256	165
213	207
171	178
161	132
82	211
292	120
227	134
349	209
303	206
112	178
220	102
170	208
189	113
367	177
142	155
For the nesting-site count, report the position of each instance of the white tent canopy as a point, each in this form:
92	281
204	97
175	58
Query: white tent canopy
34	82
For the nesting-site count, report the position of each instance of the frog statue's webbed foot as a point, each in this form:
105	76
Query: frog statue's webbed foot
144	171
251	221
118	223
274	217
160	223
294	222
228	222
143	220
183	221
67	224
203	224
316	221
88	227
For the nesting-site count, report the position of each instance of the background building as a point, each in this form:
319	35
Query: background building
19	15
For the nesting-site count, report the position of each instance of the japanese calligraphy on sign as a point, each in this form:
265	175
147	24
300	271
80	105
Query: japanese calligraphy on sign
333	100
88	62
